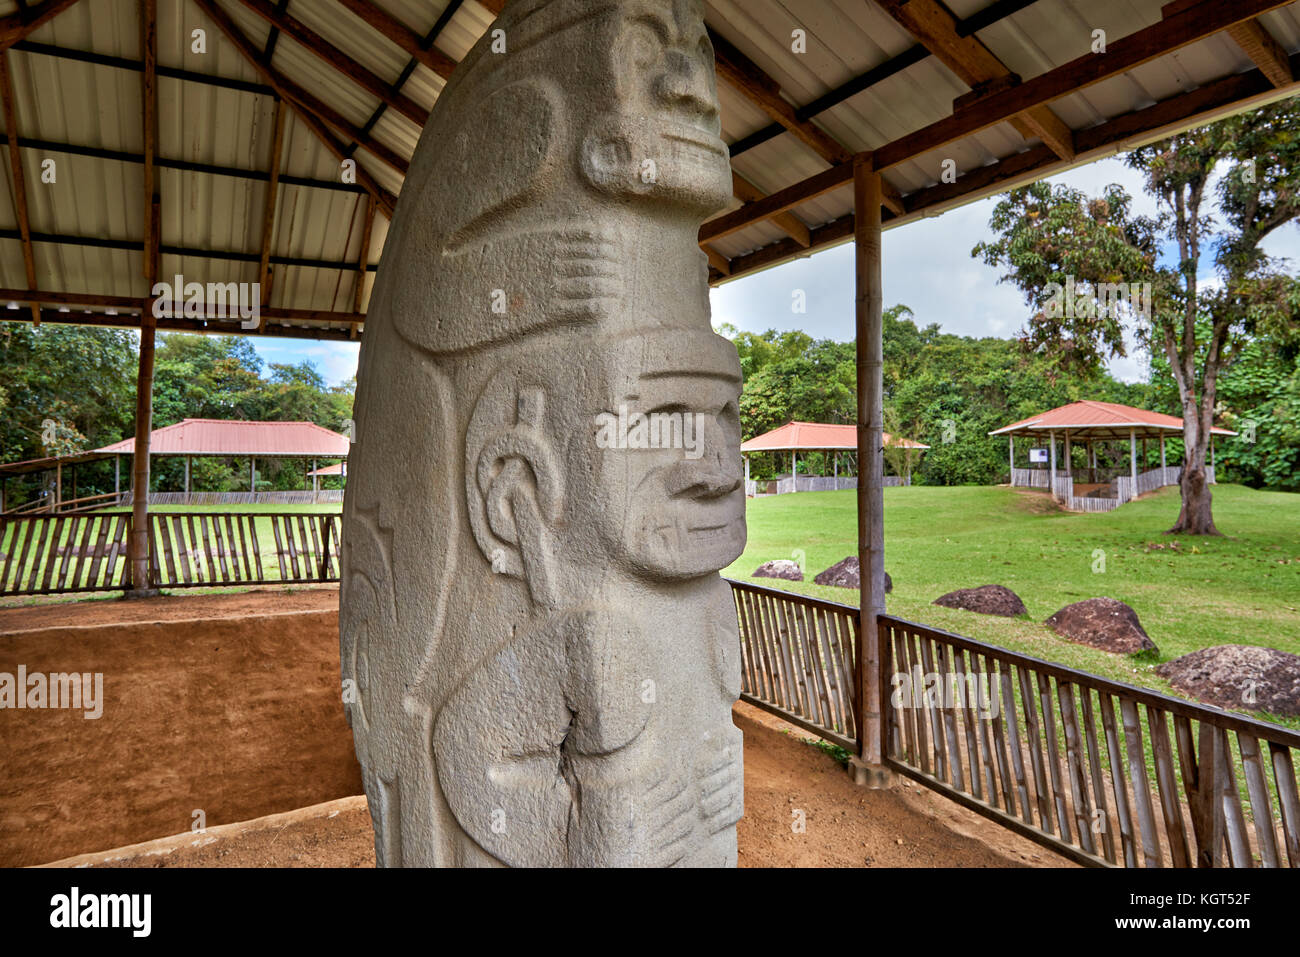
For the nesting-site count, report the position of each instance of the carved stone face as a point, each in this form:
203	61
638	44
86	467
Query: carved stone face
684	509
662	134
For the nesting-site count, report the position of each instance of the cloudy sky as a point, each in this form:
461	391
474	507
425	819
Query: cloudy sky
927	265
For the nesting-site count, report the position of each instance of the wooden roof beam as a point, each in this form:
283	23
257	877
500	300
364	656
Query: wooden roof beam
399	33
764	92
363	262
264	275
789	223
312	41
19	181
1204	104
718	261
149	99
310	110
976	65
1260	46
18	25
1203	19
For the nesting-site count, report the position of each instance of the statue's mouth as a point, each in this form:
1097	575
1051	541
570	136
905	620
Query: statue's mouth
695	137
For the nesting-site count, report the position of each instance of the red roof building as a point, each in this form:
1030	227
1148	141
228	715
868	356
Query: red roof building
1084	424
796	437
240	438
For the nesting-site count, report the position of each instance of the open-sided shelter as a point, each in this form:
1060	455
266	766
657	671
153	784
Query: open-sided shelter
841	441
1085	425
272	150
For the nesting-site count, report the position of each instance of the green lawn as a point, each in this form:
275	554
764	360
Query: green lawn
1243	588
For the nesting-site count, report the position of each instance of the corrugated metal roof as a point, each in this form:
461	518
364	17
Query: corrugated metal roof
77	81
1096	418
238	437
815	435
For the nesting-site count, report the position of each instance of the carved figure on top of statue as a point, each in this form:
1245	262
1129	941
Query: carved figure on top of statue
539	657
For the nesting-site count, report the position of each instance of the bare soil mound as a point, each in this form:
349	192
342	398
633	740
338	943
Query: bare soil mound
844	574
986	600
1241	677
1102	623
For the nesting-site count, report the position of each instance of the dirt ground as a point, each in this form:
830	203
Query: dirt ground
229	705
191	688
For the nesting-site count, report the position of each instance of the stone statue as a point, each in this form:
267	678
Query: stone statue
539	657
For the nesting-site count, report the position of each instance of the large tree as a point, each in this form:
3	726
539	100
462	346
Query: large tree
1053	239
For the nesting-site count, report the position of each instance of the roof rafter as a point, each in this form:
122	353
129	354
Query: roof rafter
264	274
309	109
764	92
1201	105
976	65
312	41
18	25
1194	23
19	181
399	33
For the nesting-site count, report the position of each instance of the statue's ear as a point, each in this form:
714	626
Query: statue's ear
514	488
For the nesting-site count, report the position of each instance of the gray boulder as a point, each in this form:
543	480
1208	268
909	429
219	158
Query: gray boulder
781	568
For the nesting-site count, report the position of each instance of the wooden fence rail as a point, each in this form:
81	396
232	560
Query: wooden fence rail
1103	772
48	554
1065	757
799	660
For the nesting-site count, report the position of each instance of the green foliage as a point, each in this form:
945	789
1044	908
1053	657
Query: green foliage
944	390
76	387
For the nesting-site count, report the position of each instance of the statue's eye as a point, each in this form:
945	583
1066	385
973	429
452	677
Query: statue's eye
643	45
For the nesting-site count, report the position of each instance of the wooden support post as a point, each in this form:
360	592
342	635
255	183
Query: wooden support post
1133	460
1011	459
868	766
315	479
188	460
139	550
1051	474
1162	452
252	475
58	485
117	479
1069	458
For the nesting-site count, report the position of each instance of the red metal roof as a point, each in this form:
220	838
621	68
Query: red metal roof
236	437
812	436
1099	419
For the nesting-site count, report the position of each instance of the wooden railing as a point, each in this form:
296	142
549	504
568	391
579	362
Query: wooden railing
43	554
1060	756
48	554
798	660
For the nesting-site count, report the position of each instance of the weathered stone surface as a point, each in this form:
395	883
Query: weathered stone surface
1103	623
844	574
539	657
780	568
986	599
1241	677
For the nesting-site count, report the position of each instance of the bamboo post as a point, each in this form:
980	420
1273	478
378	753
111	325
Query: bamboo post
1051	474
140	461
867	766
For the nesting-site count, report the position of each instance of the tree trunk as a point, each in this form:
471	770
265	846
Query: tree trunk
1195	516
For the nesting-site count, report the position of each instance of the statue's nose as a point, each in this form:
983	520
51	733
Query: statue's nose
684	87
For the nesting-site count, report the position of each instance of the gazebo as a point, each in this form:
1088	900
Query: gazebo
1089	423
232	438
796	437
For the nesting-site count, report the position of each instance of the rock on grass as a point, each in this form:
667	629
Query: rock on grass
781	568
986	600
1102	623
1241	677
844	574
